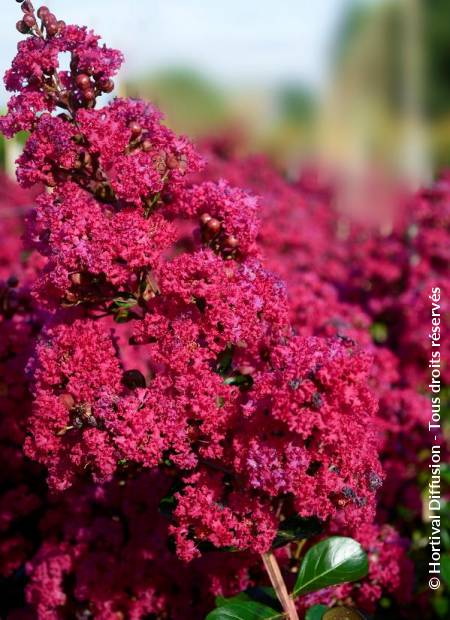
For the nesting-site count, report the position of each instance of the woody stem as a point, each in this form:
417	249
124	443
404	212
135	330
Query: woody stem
276	579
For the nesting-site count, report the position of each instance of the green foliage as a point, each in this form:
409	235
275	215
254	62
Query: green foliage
332	561
204	107
297	104
379	332
239	609
445	569
316	612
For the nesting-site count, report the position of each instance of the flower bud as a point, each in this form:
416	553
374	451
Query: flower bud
135	129
29	20
106	85
89	94
213	225
22	27
83	81
205	218
27	7
42	12
52	29
49	18
231	242
172	162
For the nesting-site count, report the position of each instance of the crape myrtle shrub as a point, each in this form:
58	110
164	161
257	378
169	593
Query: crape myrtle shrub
164	371
185	399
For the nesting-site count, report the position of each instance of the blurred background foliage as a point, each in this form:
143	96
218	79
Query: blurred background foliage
385	104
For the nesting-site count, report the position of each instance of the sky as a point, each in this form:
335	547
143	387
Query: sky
258	42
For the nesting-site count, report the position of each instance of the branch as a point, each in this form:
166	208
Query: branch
276	579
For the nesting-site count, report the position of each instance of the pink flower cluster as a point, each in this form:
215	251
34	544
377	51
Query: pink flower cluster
353	280
243	415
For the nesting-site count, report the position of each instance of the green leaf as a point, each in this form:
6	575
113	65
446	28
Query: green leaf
441	606
168	503
244	381
379	332
296	528
123	316
445	472
224	360
265	595
125	302
244	610
332	561
316	612
221	601
260	594
445	569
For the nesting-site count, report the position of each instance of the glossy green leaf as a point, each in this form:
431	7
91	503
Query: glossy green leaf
260	594
332	561
316	612
226	600
244	610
